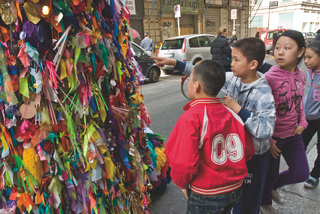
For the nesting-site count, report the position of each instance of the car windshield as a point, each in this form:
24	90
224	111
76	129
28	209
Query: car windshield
212	38
136	51
270	34
172	44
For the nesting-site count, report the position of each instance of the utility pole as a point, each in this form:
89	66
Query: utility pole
271	4
177	14
178	26
269	16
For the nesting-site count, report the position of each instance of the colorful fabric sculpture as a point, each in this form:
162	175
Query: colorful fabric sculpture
73	126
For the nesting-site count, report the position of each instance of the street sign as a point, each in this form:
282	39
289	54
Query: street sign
234	14
177	12
273	3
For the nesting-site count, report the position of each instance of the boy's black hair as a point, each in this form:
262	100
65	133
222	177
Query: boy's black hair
297	37
315	46
211	75
252	48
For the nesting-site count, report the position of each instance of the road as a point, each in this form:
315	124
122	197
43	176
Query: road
164	101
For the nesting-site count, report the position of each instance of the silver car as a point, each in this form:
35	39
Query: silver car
308	37
192	48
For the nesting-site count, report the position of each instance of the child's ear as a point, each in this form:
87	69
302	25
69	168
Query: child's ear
302	50
196	87
254	65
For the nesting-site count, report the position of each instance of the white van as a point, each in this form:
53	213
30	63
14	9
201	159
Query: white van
192	48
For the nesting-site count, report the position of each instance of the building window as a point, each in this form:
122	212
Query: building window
311	28
286	20
257	21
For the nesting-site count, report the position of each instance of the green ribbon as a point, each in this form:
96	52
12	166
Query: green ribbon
51	137
131	39
105	54
93	60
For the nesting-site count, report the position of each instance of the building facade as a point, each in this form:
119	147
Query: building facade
157	17
298	15
218	14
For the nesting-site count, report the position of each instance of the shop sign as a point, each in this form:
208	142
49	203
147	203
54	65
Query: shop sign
131	5
273	3
186	6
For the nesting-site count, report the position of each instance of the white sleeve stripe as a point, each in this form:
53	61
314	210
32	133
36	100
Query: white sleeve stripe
204	127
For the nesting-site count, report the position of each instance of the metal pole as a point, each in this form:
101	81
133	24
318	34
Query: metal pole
234	25
269	17
206	9
257	11
178	27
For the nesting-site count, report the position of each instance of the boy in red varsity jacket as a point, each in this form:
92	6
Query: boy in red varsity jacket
208	147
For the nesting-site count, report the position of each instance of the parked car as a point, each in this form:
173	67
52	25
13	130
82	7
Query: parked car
268	40
192	48
308	37
148	66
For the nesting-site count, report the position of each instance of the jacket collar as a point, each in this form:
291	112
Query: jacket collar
202	101
256	83
316	72
221	36
278	69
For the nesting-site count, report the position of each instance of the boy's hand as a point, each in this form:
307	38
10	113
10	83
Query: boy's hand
298	130
161	62
186	192
232	104
275	152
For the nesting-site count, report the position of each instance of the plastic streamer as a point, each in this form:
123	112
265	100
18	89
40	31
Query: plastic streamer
73	128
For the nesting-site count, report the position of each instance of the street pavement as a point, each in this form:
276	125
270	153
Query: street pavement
164	102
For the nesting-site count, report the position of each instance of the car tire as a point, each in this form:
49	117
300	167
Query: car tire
154	74
167	71
196	61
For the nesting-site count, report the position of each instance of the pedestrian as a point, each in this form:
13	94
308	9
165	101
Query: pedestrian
251	98
220	49
233	38
274	37
317	37
312	108
147	44
287	83
258	35
208	141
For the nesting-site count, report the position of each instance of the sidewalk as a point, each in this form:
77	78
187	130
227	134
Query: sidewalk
299	199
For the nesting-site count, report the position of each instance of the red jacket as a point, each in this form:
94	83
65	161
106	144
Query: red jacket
208	148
